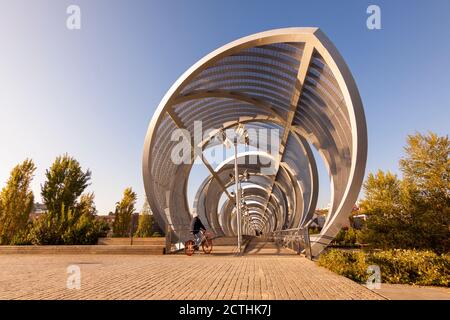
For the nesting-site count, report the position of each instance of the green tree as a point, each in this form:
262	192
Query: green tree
426	166
384	209
86	205
84	228
123	212
426	172
70	218
413	212
145	224
66	181
16	203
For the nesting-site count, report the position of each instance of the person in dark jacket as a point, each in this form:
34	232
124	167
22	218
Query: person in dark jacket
196	226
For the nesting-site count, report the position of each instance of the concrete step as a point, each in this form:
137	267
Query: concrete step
85	249
136	241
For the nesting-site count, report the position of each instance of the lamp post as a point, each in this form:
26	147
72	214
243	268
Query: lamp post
238	198
241	132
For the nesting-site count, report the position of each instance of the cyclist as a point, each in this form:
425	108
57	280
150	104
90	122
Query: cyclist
196	226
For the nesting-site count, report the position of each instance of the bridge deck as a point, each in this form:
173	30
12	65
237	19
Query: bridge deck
174	277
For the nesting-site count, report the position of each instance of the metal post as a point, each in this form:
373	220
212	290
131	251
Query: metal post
168	239
308	251
238	211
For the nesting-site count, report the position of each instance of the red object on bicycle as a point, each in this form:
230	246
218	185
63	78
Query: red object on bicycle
189	247
207	245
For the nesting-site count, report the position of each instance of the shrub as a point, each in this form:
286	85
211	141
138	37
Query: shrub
86	230
347	237
22	237
314	230
350	264
413	267
46	230
396	266
350	236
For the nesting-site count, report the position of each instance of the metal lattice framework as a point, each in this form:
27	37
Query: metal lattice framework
289	79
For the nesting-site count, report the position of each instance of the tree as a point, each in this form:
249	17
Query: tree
413	212
84	228
426	172
16	202
66	181
86	205
382	193
145	224
70	216
123	212
426	166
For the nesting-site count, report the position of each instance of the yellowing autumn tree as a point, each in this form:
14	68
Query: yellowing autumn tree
413	212
122	216
16	202
145	224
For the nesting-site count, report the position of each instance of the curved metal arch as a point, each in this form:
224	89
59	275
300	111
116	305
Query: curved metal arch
323	77
229	95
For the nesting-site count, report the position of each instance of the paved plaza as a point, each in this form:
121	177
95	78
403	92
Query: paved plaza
173	277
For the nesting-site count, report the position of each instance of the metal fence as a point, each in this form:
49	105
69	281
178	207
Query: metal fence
296	239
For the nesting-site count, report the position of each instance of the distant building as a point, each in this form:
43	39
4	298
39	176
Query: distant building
358	221
38	209
318	221
109	219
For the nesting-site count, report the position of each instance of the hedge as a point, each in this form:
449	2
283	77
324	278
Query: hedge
397	266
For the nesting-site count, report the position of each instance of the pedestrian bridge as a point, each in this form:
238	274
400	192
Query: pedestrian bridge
277	96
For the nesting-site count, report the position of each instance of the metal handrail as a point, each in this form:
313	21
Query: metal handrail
295	237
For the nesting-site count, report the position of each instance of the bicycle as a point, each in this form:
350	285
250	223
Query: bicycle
205	242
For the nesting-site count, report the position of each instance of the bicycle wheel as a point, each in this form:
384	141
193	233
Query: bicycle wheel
189	247
207	246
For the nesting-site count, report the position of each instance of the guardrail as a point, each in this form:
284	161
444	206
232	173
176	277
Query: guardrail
296	239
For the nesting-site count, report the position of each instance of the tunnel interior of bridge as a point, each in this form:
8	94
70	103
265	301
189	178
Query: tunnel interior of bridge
293	92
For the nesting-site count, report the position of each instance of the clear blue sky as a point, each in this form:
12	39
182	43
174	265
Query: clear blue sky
92	92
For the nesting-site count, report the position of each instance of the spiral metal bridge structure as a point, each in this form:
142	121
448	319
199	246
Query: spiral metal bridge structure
291	80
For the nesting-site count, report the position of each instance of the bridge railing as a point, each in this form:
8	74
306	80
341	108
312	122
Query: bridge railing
296	239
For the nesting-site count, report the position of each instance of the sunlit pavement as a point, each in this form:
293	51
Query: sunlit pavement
410	292
173	277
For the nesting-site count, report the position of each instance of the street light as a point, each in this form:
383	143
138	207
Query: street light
241	135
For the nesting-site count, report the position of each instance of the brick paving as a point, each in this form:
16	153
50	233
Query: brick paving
413	292
174	277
